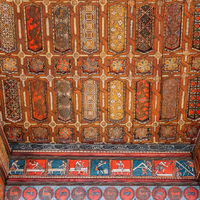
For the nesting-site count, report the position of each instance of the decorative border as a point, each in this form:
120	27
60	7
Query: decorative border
106	148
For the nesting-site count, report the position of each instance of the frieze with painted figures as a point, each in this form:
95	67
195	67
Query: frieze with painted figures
101	192
171	169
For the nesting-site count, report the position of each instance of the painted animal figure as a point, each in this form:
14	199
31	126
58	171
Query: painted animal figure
191	193
30	193
13	193
110	193
127	193
94	193
62	193
175	193
46	193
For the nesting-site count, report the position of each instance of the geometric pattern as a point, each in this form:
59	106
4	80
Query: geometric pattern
7	28
64	100
144	67
170	88
90	134
63	66
145	28
9	65
167	133
194	99
117	28
103	66
196	27
171	65
90	100
89	28
65	135
61	25
192	131
142	134
117	66
40	134
173	26
36	66
14	134
116	134
90	65
12	100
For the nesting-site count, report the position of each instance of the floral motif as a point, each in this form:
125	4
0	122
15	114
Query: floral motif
117	29
195	65
116	101
40	134
65	135
116	134
90	65
144	67
167	132
117	66
63	66
172	64
36	65
90	134
192	131
9	65
142	134
14	133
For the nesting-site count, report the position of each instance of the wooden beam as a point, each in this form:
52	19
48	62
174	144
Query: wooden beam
100	181
196	146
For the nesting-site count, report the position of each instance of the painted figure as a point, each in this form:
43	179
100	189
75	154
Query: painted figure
79	164
161	167
36	165
120	165
99	168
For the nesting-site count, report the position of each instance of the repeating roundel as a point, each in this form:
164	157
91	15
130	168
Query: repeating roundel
191	193
78	193
30	193
126	193
159	193
143	193
14	193
46	193
110	193
94	193
175	193
62	193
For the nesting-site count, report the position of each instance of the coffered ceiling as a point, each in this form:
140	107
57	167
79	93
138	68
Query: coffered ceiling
98	71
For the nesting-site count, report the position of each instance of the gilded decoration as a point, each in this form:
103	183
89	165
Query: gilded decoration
116	101
9	65
144	67
171	65
117	28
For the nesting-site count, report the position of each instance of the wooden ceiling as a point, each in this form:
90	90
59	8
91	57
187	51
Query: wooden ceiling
98	71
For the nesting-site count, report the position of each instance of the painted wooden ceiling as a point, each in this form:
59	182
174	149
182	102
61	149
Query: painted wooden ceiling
98	71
